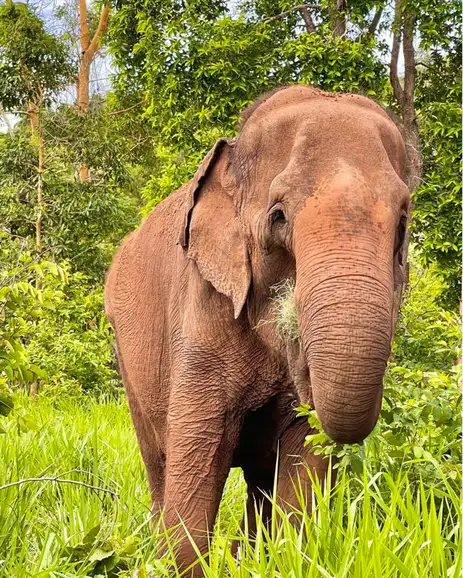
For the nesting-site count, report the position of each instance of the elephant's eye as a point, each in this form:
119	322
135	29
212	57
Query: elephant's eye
400	238
277	216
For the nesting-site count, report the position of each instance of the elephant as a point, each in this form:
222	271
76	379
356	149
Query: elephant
313	189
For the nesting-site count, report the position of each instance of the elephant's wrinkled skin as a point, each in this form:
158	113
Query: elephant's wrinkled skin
312	189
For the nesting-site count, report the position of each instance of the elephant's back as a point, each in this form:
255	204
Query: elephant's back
146	262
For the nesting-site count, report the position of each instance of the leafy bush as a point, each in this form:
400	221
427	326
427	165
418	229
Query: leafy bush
73	340
26	292
53	330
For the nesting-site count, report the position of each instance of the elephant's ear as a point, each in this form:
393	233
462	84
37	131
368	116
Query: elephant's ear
212	233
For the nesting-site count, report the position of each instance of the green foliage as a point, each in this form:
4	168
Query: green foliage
34	65
73	341
64	527
336	64
427	334
419	430
22	302
53	330
200	67
437	212
438	23
57	334
436	226
61	335
81	222
107	557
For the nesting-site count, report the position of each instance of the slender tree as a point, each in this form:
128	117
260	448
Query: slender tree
404	94
34	66
88	50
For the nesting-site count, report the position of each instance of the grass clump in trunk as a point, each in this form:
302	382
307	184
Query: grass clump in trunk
284	310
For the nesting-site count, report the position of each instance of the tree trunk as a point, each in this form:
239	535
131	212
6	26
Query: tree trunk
88	51
403	29
83	98
309	23
411	129
413	146
83	95
339	18
37	138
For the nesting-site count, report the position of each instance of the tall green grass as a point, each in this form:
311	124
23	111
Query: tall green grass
370	525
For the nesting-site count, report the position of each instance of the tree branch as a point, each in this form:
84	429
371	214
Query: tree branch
339	18
61	481
299	8
376	19
25	112
83	25
116	112
102	24
409	59
309	24
393	75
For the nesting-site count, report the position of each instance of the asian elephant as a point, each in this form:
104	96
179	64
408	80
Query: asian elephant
313	190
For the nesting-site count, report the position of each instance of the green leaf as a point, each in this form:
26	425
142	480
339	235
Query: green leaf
6	404
98	555
91	535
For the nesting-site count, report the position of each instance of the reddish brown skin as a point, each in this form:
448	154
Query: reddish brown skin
209	385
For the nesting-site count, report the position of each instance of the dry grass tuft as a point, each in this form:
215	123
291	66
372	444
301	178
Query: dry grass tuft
285	314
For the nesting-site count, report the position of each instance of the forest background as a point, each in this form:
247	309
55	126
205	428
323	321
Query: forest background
88	150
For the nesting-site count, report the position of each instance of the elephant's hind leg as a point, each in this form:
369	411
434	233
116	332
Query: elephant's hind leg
152	454
257	457
294	483
260	481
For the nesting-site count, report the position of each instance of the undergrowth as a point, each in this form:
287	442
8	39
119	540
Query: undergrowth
90	516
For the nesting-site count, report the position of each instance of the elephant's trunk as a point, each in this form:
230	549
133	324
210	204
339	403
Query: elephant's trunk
344	296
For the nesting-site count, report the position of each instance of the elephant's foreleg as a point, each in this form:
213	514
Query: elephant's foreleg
198	460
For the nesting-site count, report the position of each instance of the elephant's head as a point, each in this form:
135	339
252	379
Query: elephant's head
312	190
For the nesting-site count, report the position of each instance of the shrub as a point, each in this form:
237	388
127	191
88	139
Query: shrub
53	330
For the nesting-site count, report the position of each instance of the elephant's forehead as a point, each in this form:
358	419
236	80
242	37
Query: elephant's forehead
271	104
319	129
322	125
301	143
362	141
